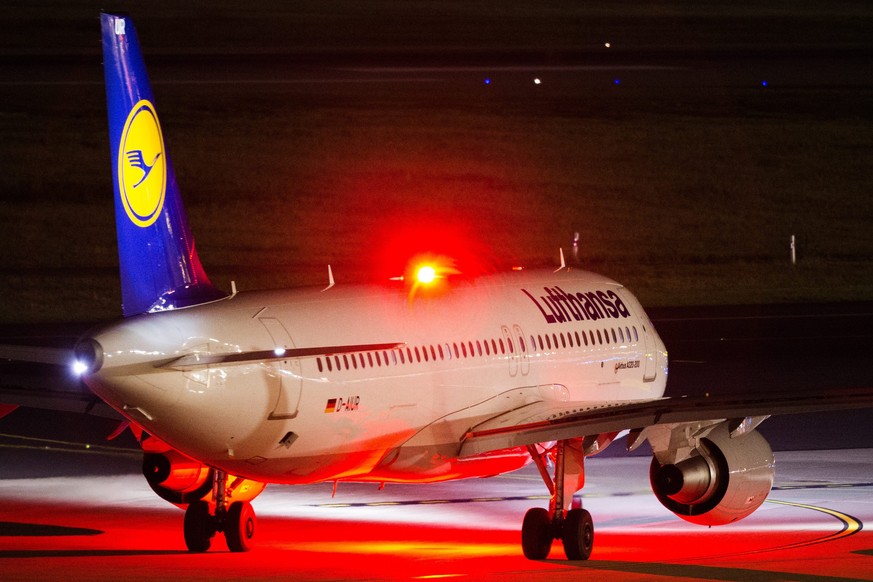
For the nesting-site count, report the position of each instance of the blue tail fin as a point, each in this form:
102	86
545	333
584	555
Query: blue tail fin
160	268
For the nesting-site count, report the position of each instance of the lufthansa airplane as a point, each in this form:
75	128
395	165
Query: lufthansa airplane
441	378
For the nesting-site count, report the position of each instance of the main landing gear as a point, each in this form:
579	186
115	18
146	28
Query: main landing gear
564	520
236	520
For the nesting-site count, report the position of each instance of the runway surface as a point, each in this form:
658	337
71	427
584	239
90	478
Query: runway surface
106	524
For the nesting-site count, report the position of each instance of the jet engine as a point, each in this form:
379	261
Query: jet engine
180	479
724	480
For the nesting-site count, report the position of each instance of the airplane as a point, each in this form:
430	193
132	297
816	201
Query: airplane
426	379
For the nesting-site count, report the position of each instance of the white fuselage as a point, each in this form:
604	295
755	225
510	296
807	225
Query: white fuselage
465	353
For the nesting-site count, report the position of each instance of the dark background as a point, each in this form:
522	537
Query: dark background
360	133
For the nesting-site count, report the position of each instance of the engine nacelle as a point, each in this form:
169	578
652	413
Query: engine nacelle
180	479
725	480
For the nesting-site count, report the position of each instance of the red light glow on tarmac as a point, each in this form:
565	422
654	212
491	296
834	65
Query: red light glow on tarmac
102	528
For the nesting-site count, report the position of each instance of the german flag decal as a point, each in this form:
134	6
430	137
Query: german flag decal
350	404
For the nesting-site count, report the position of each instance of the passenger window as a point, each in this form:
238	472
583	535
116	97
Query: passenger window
542	346
615	341
478	348
548	342
417	355
442	356
457	353
599	338
329	367
636	337
318	361
563	341
578	341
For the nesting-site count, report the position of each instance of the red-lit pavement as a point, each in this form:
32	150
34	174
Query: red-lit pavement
113	527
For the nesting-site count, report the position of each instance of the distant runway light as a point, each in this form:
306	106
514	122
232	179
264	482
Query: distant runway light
764	83
617	81
487	81
537	81
607	45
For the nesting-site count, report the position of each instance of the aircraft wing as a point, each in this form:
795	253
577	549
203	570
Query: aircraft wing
548	421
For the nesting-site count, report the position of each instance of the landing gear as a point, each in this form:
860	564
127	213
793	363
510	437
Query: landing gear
566	522
536	534
239	527
199	527
236	521
578	534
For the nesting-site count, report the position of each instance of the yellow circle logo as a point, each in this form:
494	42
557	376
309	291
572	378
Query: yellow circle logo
142	167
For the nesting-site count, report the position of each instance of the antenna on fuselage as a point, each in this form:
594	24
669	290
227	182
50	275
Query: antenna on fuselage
330	281
563	262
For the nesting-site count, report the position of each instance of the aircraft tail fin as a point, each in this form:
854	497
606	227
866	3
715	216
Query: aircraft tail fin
160	269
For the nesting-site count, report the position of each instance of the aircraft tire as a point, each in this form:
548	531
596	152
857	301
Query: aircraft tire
199	527
578	534
240	526
536	534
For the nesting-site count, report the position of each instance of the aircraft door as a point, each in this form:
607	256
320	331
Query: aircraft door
650	366
522	350
290	381
511	351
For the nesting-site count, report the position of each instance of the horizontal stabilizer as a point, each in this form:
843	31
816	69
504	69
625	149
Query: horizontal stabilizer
193	361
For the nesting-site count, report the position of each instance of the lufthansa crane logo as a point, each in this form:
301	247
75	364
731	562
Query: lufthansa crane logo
142	167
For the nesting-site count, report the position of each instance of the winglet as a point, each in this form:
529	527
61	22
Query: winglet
160	268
